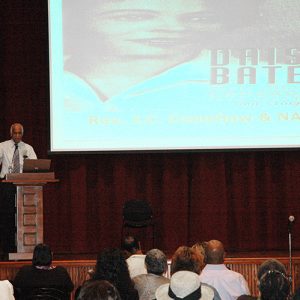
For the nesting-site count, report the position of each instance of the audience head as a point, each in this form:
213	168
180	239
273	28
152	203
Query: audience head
98	290
156	262
200	246
273	281
186	259
131	245
42	255
214	252
110	265
183	285
270	265
274	285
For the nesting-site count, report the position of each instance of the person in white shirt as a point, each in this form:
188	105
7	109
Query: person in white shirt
7	150
12	155
134	257
228	283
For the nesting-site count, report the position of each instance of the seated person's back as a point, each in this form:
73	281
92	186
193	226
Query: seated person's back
42	274
229	284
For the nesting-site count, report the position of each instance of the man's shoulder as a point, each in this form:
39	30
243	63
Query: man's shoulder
6	143
60	269
150	278
26	268
235	274
140	278
219	271
136	257
23	144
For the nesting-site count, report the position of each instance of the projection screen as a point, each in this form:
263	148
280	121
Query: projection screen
174	74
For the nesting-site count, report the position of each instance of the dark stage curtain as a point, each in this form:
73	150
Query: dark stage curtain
242	198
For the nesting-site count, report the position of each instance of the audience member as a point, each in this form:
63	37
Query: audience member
12	155
228	283
147	284
98	290
111	266
189	259
6	290
270	265
273	283
186	259
135	258
200	246
130	245
184	285
42	274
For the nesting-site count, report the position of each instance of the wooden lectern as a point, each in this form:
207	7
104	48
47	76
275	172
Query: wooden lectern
29	215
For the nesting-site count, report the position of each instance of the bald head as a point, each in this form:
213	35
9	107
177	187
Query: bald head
214	252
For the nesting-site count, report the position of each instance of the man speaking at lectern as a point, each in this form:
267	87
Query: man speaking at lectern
12	155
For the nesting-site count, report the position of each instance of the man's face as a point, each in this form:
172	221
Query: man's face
17	133
153	28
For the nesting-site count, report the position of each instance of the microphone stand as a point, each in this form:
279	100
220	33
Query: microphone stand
290	257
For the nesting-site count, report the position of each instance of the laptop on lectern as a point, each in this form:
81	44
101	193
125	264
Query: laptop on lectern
36	165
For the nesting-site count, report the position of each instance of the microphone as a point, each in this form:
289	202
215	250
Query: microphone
291	222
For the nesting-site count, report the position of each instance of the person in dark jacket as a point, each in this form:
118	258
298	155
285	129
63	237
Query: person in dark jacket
111	266
42	273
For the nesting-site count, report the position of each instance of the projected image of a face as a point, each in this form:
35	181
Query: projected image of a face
152	29
148	28
135	40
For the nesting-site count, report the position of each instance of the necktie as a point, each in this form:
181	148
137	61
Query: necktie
16	160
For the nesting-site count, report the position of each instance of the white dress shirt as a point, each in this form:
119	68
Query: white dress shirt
136	265
6	290
7	150
229	284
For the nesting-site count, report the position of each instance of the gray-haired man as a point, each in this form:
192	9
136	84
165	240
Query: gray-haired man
156	265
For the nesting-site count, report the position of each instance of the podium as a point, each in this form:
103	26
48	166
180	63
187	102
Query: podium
29	211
